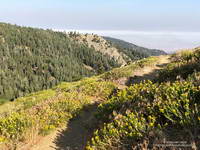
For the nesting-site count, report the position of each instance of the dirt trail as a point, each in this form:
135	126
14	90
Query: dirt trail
75	136
148	72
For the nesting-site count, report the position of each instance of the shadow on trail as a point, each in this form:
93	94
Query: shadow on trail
152	76
180	71
79	129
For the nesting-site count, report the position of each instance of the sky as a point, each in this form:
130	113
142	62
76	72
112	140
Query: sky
168	25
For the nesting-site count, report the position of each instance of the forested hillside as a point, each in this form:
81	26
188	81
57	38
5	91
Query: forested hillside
35	59
121	51
134	52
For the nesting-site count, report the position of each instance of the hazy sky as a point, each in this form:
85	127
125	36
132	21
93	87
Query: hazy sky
153	23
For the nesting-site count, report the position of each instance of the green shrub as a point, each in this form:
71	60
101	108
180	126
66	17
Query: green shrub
121	133
174	105
3	100
13	127
127	71
183	64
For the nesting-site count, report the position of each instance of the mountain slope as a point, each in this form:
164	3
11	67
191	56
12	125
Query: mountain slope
123	52
133	51
100	45
37	114
102	113
79	133
35	59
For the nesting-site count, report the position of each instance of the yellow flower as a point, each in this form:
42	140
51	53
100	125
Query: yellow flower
2	139
151	124
162	110
149	117
173	110
89	148
199	118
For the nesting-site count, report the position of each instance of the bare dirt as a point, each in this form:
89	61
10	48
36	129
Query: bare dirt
148	72
73	137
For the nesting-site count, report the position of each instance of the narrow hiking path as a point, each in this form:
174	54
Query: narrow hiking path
148	72
72	137
79	129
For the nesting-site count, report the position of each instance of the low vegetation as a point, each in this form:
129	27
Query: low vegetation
140	112
128	70
39	113
183	64
42	112
147	113
138	116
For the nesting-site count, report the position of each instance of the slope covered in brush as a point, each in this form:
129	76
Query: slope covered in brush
35	59
147	114
100	45
37	114
121	51
134	52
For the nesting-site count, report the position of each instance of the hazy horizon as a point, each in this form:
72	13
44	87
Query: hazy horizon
168	25
151	39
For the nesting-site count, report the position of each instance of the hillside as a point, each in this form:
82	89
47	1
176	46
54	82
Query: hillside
149	113
99	44
36	59
133	51
117	109
24	121
123	52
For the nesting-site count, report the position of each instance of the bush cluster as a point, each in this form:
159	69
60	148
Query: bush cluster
140	110
40	113
146	113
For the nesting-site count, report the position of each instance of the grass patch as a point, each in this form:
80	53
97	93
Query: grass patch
127	71
3	101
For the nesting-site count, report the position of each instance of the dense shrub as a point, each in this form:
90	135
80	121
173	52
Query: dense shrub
183	64
151	107
41	112
127	71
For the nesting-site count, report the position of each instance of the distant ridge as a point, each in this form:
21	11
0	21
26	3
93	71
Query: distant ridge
132	47
120	50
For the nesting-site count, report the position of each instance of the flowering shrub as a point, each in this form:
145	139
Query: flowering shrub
13	126
183	64
127	71
47	110
122	132
145	107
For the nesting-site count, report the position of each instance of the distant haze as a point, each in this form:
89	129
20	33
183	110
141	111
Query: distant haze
166	24
168	41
